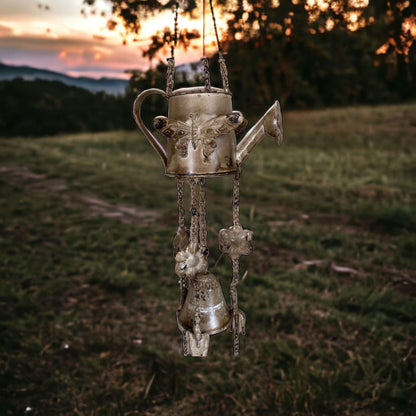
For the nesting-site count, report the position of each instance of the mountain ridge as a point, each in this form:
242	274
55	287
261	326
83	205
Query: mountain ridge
113	86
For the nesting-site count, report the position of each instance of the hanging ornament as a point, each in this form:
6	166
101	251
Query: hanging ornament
200	129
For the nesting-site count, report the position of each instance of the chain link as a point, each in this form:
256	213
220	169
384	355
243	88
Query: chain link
234	304
170	76
236	199
170	72
194	210
215	27
175	29
202	218
181	209
205	74
224	73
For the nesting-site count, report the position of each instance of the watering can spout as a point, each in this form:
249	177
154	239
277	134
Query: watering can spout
270	124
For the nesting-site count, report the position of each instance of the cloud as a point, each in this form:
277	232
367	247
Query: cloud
5	31
68	53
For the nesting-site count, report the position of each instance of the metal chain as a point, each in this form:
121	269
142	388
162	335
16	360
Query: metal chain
221	60
215	26
175	29
170	72
205	73
202	218
181	226
236	199
234	304
224	73
170	76
236	267
194	210
181	209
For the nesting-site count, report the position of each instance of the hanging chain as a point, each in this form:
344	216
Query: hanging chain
205	74
224	73
215	27
170	76
236	199
170	73
234	305
202	218
174	41
236	268
221	59
181	209
194	210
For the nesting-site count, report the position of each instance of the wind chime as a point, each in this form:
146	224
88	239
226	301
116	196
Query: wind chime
201	129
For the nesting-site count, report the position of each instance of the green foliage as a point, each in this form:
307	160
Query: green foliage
36	108
303	53
88	321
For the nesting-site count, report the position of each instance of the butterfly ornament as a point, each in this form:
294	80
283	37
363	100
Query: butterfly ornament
195	131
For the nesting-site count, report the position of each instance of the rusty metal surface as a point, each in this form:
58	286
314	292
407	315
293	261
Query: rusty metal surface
200	129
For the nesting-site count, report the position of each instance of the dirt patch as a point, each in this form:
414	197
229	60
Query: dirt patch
127	214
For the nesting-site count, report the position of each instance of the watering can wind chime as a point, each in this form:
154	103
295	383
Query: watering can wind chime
200	129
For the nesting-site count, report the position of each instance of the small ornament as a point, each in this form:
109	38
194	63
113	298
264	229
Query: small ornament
235	241
190	262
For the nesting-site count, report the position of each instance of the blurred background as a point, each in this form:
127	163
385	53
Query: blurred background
88	290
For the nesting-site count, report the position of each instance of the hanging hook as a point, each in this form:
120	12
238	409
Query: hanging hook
221	59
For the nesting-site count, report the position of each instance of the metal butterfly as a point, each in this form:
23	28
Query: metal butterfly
194	131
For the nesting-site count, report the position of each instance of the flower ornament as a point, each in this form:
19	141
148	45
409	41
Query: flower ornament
235	241
190	262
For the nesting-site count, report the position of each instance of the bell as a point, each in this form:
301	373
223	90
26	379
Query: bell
204	310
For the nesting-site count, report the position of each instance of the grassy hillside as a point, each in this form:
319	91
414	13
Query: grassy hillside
88	290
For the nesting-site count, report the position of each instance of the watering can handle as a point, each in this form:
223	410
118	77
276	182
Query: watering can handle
137	115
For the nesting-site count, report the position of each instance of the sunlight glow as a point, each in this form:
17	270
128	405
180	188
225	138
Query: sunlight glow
358	4
71	39
383	49
329	24
322	5
409	26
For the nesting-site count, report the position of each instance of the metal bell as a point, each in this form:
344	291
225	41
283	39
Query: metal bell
204	310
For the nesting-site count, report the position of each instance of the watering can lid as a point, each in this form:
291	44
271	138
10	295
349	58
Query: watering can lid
199	90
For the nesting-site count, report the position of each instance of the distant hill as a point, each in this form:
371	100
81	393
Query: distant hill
112	86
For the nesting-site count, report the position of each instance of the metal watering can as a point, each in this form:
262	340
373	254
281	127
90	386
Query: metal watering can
200	130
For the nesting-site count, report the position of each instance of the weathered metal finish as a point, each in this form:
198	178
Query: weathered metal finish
160	150
206	298
270	124
200	129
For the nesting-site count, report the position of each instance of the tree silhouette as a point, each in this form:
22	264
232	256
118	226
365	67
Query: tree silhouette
306	52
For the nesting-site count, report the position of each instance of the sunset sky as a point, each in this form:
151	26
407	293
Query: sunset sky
53	34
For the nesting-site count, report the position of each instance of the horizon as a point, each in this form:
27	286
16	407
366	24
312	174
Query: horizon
77	76
69	38
79	40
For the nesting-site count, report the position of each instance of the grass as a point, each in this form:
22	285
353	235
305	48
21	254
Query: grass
89	296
